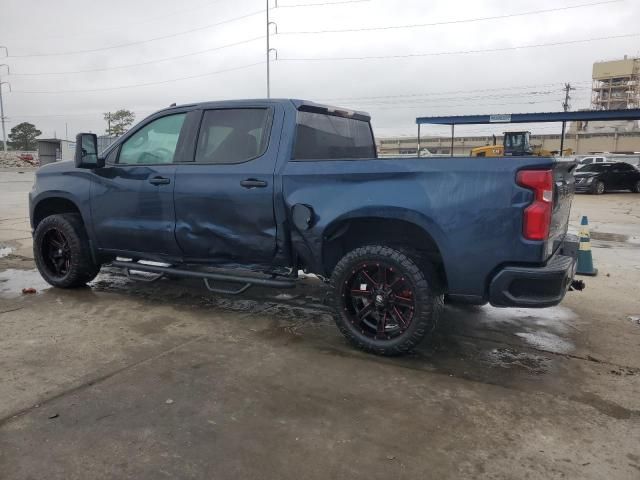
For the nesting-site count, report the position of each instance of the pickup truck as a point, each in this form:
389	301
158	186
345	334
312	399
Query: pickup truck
250	192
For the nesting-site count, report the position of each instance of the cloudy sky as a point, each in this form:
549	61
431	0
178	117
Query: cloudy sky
72	60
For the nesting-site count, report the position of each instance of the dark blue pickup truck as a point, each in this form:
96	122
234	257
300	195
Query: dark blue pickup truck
277	186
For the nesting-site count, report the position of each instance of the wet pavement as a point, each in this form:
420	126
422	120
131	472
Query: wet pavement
128	379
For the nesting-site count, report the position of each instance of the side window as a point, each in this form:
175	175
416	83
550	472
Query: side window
233	135
154	143
329	137
587	160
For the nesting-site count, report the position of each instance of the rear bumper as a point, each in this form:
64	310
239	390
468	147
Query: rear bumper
536	287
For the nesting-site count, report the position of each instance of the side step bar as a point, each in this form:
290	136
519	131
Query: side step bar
207	276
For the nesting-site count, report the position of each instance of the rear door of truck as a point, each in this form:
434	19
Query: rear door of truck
563	191
224	193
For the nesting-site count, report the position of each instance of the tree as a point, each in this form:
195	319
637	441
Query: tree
23	137
119	122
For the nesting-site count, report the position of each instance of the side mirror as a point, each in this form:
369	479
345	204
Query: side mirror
86	155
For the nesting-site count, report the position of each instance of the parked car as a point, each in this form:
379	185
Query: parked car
279	186
594	159
597	178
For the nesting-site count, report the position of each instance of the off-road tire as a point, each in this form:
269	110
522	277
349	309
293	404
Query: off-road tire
82	268
428	303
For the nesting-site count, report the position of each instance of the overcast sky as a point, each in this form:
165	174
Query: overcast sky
42	36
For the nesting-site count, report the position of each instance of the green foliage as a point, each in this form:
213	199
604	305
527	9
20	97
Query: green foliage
23	137
119	122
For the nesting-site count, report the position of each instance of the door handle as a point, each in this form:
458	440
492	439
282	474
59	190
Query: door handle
253	183
159	181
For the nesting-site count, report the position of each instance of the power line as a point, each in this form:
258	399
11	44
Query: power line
453	22
461	52
122	45
467	105
142	84
453	92
165	59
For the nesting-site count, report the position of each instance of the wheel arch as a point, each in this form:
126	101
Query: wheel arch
391	228
55	204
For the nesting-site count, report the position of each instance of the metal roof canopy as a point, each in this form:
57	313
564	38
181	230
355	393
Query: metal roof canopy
541	117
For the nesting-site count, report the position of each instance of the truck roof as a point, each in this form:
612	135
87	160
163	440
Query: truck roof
302	105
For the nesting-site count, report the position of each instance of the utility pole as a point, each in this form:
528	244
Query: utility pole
2	119
565	107
269	49
268	55
109	124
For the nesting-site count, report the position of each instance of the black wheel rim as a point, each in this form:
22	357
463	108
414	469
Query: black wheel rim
378	300
56	253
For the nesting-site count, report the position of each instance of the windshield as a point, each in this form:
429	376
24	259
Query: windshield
516	141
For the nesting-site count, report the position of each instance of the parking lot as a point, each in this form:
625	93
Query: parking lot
128	379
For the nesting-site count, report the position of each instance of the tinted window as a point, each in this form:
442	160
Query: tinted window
595	167
326	137
623	167
233	135
154	143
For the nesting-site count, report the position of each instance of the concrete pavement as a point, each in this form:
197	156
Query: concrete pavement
134	380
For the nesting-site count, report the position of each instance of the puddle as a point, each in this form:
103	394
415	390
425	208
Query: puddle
613	240
5	251
12	282
609	237
547	329
547	341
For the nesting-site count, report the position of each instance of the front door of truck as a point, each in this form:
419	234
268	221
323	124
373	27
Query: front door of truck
132	196
224	197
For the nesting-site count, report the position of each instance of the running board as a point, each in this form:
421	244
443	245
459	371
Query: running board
207	276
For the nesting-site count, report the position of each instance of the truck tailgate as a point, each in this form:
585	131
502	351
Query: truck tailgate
563	190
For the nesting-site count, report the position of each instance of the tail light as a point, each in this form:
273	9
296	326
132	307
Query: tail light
537	216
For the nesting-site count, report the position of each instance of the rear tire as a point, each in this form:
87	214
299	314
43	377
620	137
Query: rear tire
62	252
384	303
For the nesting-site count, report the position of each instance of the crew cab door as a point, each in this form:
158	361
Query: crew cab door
132	196
224	197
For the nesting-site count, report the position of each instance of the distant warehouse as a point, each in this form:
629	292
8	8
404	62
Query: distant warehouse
57	150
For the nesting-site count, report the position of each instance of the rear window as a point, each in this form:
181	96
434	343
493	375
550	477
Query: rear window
328	137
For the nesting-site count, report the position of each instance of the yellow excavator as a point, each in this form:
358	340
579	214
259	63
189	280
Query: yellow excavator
515	144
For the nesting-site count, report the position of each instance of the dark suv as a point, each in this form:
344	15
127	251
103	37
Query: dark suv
597	178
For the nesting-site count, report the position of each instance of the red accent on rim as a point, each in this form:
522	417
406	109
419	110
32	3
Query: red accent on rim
378	300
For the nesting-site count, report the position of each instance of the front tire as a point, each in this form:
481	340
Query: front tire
636	187
385	303
598	188
62	253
